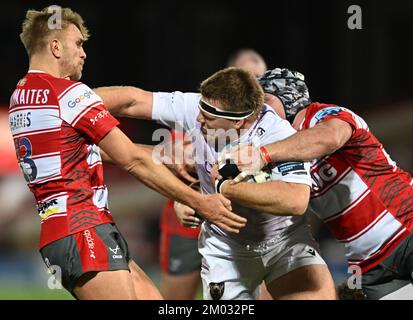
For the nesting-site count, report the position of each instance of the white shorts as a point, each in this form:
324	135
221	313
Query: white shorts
231	271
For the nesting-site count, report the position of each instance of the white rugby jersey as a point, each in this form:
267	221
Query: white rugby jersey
182	108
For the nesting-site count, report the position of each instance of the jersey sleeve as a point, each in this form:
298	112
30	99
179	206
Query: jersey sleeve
273	129
291	171
84	110
176	109
336	112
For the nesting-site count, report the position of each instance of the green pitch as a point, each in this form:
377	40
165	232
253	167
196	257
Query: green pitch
33	293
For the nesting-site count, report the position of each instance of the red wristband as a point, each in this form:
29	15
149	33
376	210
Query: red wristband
265	154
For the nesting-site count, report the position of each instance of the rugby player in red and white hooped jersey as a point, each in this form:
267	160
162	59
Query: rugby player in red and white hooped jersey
62	131
358	190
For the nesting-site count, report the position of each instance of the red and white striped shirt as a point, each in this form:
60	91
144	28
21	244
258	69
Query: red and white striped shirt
359	192
169	220
56	126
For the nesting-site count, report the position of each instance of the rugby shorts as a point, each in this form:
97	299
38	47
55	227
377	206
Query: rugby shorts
392	278
179	254
100	248
231	271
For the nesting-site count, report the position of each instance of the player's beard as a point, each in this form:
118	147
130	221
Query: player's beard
71	71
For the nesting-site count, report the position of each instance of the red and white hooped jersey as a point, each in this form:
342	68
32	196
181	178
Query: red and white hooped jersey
56	126
359	192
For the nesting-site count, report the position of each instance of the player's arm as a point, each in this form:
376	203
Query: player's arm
276	197
323	139
309	144
108	160
105	157
163	154
127	101
140	164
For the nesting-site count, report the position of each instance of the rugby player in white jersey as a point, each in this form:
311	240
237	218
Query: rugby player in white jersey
276	245
180	260
358	191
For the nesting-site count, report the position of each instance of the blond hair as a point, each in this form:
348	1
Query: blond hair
235	88
36	28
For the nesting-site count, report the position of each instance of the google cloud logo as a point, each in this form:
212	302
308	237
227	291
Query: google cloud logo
86	95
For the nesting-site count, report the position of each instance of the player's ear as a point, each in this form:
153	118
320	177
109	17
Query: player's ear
275	103
238	124
56	48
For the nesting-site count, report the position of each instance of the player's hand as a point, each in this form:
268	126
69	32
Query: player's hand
186	215
182	171
217	209
247	158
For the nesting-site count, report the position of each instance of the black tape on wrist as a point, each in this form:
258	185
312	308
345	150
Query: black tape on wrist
219	184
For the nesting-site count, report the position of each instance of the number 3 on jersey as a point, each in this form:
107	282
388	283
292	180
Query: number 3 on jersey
24	153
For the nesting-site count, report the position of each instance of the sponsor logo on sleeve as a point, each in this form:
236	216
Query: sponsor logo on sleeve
85	95
331	111
102	114
295	167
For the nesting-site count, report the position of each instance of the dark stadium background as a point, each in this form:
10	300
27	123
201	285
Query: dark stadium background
167	45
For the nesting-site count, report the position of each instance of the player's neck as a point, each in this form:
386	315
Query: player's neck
45	66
